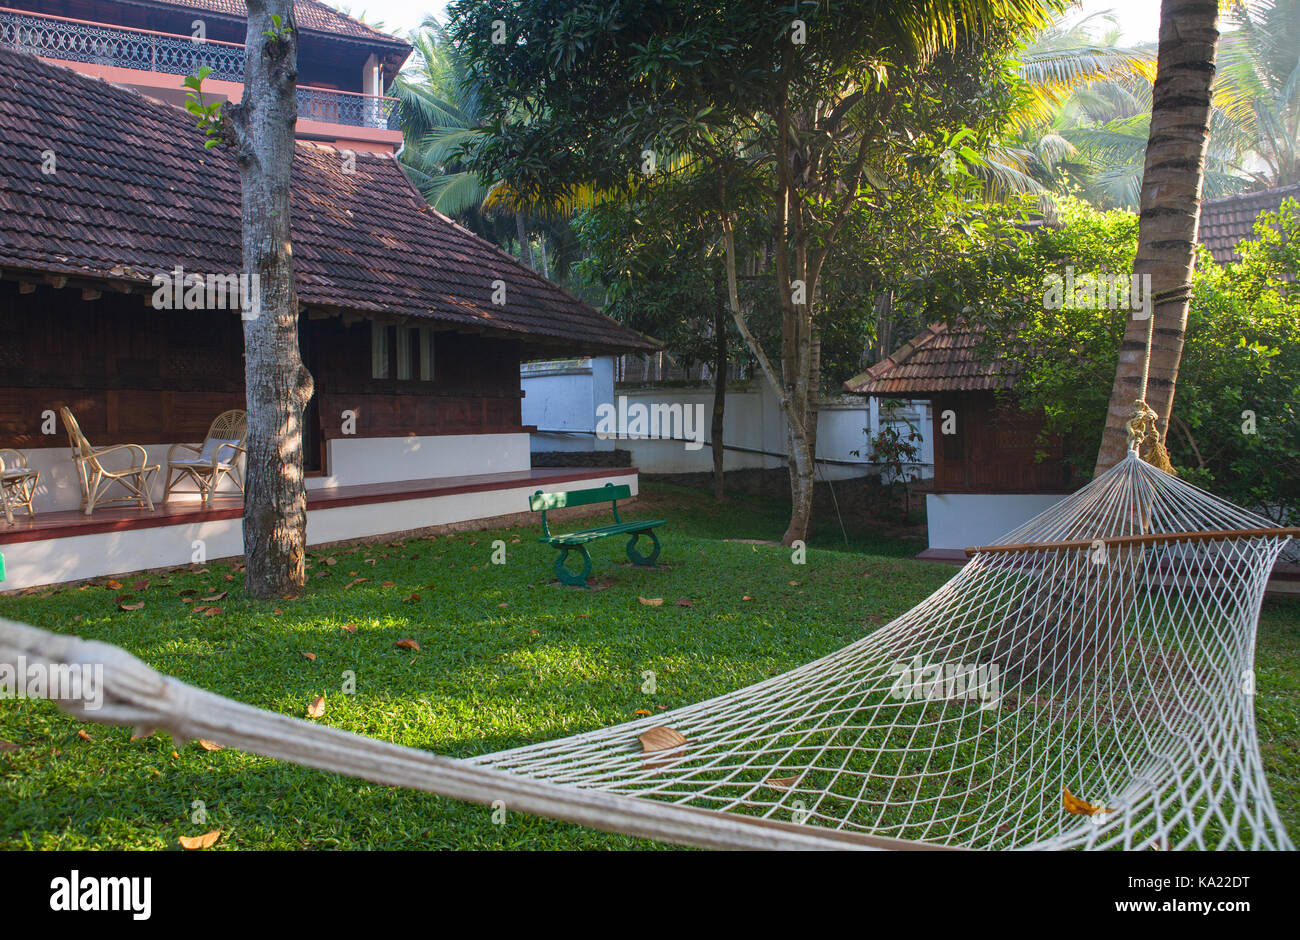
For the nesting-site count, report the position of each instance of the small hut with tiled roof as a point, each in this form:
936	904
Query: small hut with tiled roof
987	475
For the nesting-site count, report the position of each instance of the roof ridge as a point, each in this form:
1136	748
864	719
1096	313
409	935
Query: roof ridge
1252	194
370	31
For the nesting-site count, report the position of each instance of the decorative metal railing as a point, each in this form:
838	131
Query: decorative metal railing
342	107
124	47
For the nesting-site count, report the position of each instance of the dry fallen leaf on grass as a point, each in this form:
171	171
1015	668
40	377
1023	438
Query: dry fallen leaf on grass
354	582
410	597
1080	807
7	746
141	585
746	598
652	601
215	597
310	657
643	711
85	737
205	841
114	585
210	745
685	603
136	606
331	561
350	627
388	584
781	781
660	738
317	707
407	644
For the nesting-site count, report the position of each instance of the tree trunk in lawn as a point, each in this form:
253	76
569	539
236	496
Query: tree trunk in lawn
718	428
1170	212
277	383
525	249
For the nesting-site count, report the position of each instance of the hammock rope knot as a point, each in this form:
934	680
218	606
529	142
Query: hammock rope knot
1143	429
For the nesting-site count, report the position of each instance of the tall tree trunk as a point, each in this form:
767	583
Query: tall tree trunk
525	249
277	383
1170	213
718	429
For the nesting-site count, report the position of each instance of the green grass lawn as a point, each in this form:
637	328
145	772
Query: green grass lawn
506	657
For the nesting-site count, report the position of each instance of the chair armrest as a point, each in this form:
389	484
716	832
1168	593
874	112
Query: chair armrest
114	448
190	447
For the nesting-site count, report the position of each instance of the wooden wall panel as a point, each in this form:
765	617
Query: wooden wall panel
138	375
994	449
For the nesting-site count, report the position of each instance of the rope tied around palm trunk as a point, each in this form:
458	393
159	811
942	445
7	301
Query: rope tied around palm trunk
1144	426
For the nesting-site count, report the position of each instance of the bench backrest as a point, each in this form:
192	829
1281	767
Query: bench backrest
543	502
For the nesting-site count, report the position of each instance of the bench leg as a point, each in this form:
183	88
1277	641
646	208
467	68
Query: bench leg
568	577
637	557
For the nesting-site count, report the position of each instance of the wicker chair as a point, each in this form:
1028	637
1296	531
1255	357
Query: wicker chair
96	479
218	458
17	483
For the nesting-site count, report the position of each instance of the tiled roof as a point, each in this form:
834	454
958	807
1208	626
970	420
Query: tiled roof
1227	221
135	194
939	359
310	14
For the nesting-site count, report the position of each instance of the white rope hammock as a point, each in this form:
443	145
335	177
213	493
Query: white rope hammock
1084	682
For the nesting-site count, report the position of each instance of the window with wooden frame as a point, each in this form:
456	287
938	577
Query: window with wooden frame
414	354
401	352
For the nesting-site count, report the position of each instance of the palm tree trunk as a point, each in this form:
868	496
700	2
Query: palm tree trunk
277	384
1170	213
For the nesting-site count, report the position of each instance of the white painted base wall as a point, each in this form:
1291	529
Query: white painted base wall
963	520
54	561
397	459
350	461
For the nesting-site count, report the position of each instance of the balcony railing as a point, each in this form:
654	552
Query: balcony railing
124	47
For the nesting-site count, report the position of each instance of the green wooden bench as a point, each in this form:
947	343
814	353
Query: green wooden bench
578	541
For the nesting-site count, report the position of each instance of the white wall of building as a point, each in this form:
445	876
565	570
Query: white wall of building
562	401
964	520
398	459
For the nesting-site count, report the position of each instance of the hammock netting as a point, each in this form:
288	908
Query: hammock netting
1085	682
1101	651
